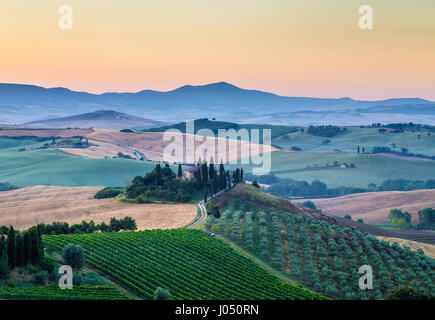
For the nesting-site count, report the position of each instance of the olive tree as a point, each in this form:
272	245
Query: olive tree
73	255
162	294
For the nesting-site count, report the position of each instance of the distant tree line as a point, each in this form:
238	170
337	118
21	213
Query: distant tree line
286	187
402	185
401	127
325	130
115	225
5	186
402	152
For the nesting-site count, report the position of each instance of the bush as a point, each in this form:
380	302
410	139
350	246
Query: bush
41	278
77	278
213	210
162	294
108	192
408	293
73	256
48	264
309	204
255	184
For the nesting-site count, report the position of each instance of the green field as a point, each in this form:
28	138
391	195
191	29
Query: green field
324	257
369	168
190	264
53	292
343	149
363	137
53	167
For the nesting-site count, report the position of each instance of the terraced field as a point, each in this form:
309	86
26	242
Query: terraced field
190	264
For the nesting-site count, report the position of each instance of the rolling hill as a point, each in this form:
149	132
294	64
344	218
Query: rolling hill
53	167
317	250
373	207
101	119
26	103
25	207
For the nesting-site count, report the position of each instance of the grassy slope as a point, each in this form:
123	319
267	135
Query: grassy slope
363	137
369	168
53	167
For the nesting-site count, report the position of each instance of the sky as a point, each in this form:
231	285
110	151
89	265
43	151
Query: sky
309	48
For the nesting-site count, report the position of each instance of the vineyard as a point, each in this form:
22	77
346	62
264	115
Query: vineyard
324	257
189	263
52	292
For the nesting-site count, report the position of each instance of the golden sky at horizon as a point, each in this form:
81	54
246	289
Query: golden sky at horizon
293	48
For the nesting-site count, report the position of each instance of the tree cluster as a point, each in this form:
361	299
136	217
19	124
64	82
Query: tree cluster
126	223
400	219
325	130
19	249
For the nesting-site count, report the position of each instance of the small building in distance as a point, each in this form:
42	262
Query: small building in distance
189	173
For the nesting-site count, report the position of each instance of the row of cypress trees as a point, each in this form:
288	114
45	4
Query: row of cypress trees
209	179
19	249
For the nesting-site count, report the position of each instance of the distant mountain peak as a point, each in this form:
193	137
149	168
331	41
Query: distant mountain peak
207	87
103	119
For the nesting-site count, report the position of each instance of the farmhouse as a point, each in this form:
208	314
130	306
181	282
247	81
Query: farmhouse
189	173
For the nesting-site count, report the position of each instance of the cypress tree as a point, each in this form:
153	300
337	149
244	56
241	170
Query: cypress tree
204	171
27	247
27	250
12	248
159	181
229	178
216	183
222	178
4	265
36	253
211	171
20	251
180	171
241	174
